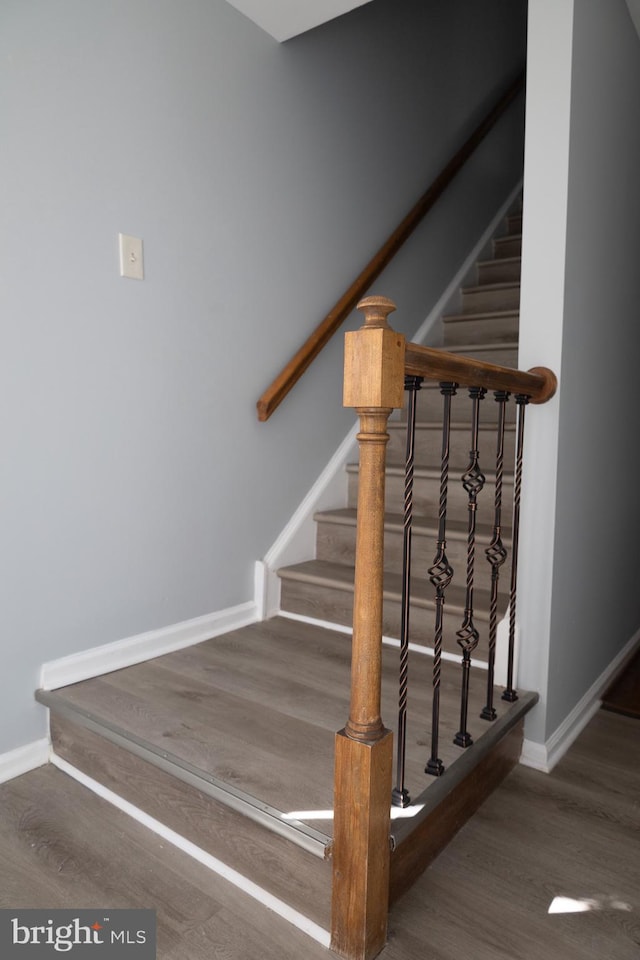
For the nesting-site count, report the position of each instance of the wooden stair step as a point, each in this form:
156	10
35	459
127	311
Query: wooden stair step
430	401
509	246
336	540
294	875
502	270
514	223
324	591
491	296
426	492
495	326
428	442
501	353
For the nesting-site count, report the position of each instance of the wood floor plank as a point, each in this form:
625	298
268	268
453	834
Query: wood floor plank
67	848
488	894
259	708
486	897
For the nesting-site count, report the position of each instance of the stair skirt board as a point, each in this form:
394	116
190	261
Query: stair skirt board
282	909
14	763
144	646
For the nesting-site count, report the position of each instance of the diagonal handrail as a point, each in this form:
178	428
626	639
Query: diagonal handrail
291	373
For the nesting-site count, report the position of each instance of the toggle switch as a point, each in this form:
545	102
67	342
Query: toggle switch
131	262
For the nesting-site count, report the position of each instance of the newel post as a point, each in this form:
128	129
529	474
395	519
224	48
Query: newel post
374	385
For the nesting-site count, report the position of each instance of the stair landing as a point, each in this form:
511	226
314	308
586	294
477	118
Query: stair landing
230	742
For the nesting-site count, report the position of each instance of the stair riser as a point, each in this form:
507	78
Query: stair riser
490	330
504	356
431	405
336	542
478	300
507	247
428	445
499	271
258	854
426	496
514	223
336	606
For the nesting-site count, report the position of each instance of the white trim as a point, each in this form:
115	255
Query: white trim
144	646
16	762
297	540
453	289
389	641
544	756
252	889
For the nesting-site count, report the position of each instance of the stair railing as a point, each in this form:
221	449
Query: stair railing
378	367
299	363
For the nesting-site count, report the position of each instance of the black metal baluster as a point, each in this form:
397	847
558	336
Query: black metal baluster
510	694
496	555
400	795
440	575
467	636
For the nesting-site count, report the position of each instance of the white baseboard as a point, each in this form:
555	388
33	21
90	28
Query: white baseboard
23	759
144	646
544	756
297	540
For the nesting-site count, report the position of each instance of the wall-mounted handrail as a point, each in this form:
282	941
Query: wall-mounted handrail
291	373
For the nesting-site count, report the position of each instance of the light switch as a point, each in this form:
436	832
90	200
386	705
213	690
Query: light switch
131	261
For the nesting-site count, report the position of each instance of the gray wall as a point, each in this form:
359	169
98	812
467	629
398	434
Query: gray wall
137	487
596	580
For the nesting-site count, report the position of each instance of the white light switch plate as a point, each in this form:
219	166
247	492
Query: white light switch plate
131	261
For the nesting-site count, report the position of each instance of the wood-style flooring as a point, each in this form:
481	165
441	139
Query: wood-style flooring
573	834
258	708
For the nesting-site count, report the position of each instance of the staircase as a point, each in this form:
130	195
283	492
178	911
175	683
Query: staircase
230	743
322	589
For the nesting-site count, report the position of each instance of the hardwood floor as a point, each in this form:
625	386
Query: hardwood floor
259	708
573	834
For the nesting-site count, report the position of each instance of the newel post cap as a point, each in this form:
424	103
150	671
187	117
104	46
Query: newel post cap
374	359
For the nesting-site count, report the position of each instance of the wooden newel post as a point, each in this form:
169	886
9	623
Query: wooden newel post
374	385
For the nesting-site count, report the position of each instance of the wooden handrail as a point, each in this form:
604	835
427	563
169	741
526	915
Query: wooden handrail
539	383
289	376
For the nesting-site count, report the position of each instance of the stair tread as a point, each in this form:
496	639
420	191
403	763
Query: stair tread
488	287
433	473
482	315
455	425
422	526
498	261
340	577
507	237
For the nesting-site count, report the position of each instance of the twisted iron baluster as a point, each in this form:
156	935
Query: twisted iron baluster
510	694
440	575
496	555
467	636
400	795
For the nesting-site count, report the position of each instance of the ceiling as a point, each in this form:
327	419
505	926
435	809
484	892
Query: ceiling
287	18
